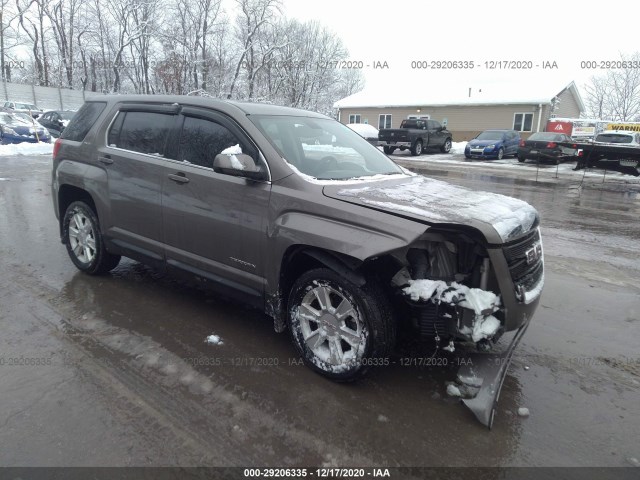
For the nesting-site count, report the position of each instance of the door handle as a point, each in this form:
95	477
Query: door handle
106	160
178	177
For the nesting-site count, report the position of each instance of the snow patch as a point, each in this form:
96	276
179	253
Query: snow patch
26	149
453	390
235	150
523	412
370	178
482	302
214	340
436	200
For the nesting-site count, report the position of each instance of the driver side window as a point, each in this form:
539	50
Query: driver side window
202	139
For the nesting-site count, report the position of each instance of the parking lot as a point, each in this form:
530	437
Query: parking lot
115	370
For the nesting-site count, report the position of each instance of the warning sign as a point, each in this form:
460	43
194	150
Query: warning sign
629	127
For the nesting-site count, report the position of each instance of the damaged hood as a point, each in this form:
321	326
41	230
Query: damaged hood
435	201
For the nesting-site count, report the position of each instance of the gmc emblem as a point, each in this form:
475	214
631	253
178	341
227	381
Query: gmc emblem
533	254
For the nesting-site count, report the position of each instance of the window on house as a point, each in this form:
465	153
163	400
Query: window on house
384	121
522	122
354	118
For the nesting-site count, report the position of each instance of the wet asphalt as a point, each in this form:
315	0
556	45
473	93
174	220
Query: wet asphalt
115	370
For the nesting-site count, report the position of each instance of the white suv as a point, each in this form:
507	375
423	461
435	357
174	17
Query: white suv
619	137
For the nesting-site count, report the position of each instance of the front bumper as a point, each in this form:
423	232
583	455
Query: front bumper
484	374
481	152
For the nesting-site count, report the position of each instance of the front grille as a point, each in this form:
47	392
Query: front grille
522	272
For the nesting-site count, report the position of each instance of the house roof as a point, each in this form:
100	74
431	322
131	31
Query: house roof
471	93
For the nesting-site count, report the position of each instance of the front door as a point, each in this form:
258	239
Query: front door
214	225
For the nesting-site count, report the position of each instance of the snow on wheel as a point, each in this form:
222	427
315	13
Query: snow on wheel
338	328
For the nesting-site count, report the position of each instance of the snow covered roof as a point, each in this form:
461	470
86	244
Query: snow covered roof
461	94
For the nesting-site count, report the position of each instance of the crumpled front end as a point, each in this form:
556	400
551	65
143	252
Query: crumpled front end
465	296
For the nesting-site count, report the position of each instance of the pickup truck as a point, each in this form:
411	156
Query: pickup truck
415	135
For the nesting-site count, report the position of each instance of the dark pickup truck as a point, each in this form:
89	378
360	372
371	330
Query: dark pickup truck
415	135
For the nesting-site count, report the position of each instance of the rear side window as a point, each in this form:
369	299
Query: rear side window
80	125
143	132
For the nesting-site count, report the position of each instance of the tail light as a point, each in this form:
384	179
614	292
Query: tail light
56	148
552	145
521	142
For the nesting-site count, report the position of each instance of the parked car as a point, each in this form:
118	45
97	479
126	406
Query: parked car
332	239
619	137
23	107
415	135
546	146
17	130
366	131
56	120
493	144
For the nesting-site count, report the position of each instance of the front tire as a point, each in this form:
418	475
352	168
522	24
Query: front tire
417	148
339	328
500	153
81	235
521	159
446	147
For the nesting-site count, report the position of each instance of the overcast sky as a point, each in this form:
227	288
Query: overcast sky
400	32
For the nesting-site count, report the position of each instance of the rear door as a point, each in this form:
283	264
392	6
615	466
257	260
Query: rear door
214	225
134	159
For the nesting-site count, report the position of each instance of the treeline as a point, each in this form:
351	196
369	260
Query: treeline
252	52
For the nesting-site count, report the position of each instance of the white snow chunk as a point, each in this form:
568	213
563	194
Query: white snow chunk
235	150
450	348
382	418
634	461
455	293
26	149
485	328
435	200
214	340
523	412
370	178
453	391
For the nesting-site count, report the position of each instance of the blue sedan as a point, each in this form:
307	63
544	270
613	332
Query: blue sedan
16	130
493	144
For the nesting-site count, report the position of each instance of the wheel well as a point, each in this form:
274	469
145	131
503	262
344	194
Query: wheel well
300	259
69	194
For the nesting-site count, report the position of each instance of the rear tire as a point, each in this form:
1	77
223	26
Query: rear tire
339	328
417	148
388	150
81	234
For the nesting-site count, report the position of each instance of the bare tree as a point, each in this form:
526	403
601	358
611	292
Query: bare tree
254	16
616	94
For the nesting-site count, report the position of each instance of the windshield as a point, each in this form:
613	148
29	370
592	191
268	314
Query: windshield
614	138
323	148
489	135
25	106
8	119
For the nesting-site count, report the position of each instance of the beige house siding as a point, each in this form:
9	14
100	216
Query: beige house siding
568	107
465	122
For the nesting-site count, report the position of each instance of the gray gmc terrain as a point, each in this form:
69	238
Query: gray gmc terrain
296	214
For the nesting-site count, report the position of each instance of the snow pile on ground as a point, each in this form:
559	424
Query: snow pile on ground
26	149
214	340
436	200
482	302
458	147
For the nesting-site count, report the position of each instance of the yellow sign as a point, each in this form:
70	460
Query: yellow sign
629	127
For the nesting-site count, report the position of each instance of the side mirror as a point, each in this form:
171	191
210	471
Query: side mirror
238	165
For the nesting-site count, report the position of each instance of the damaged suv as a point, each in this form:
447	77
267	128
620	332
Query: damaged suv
296	214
